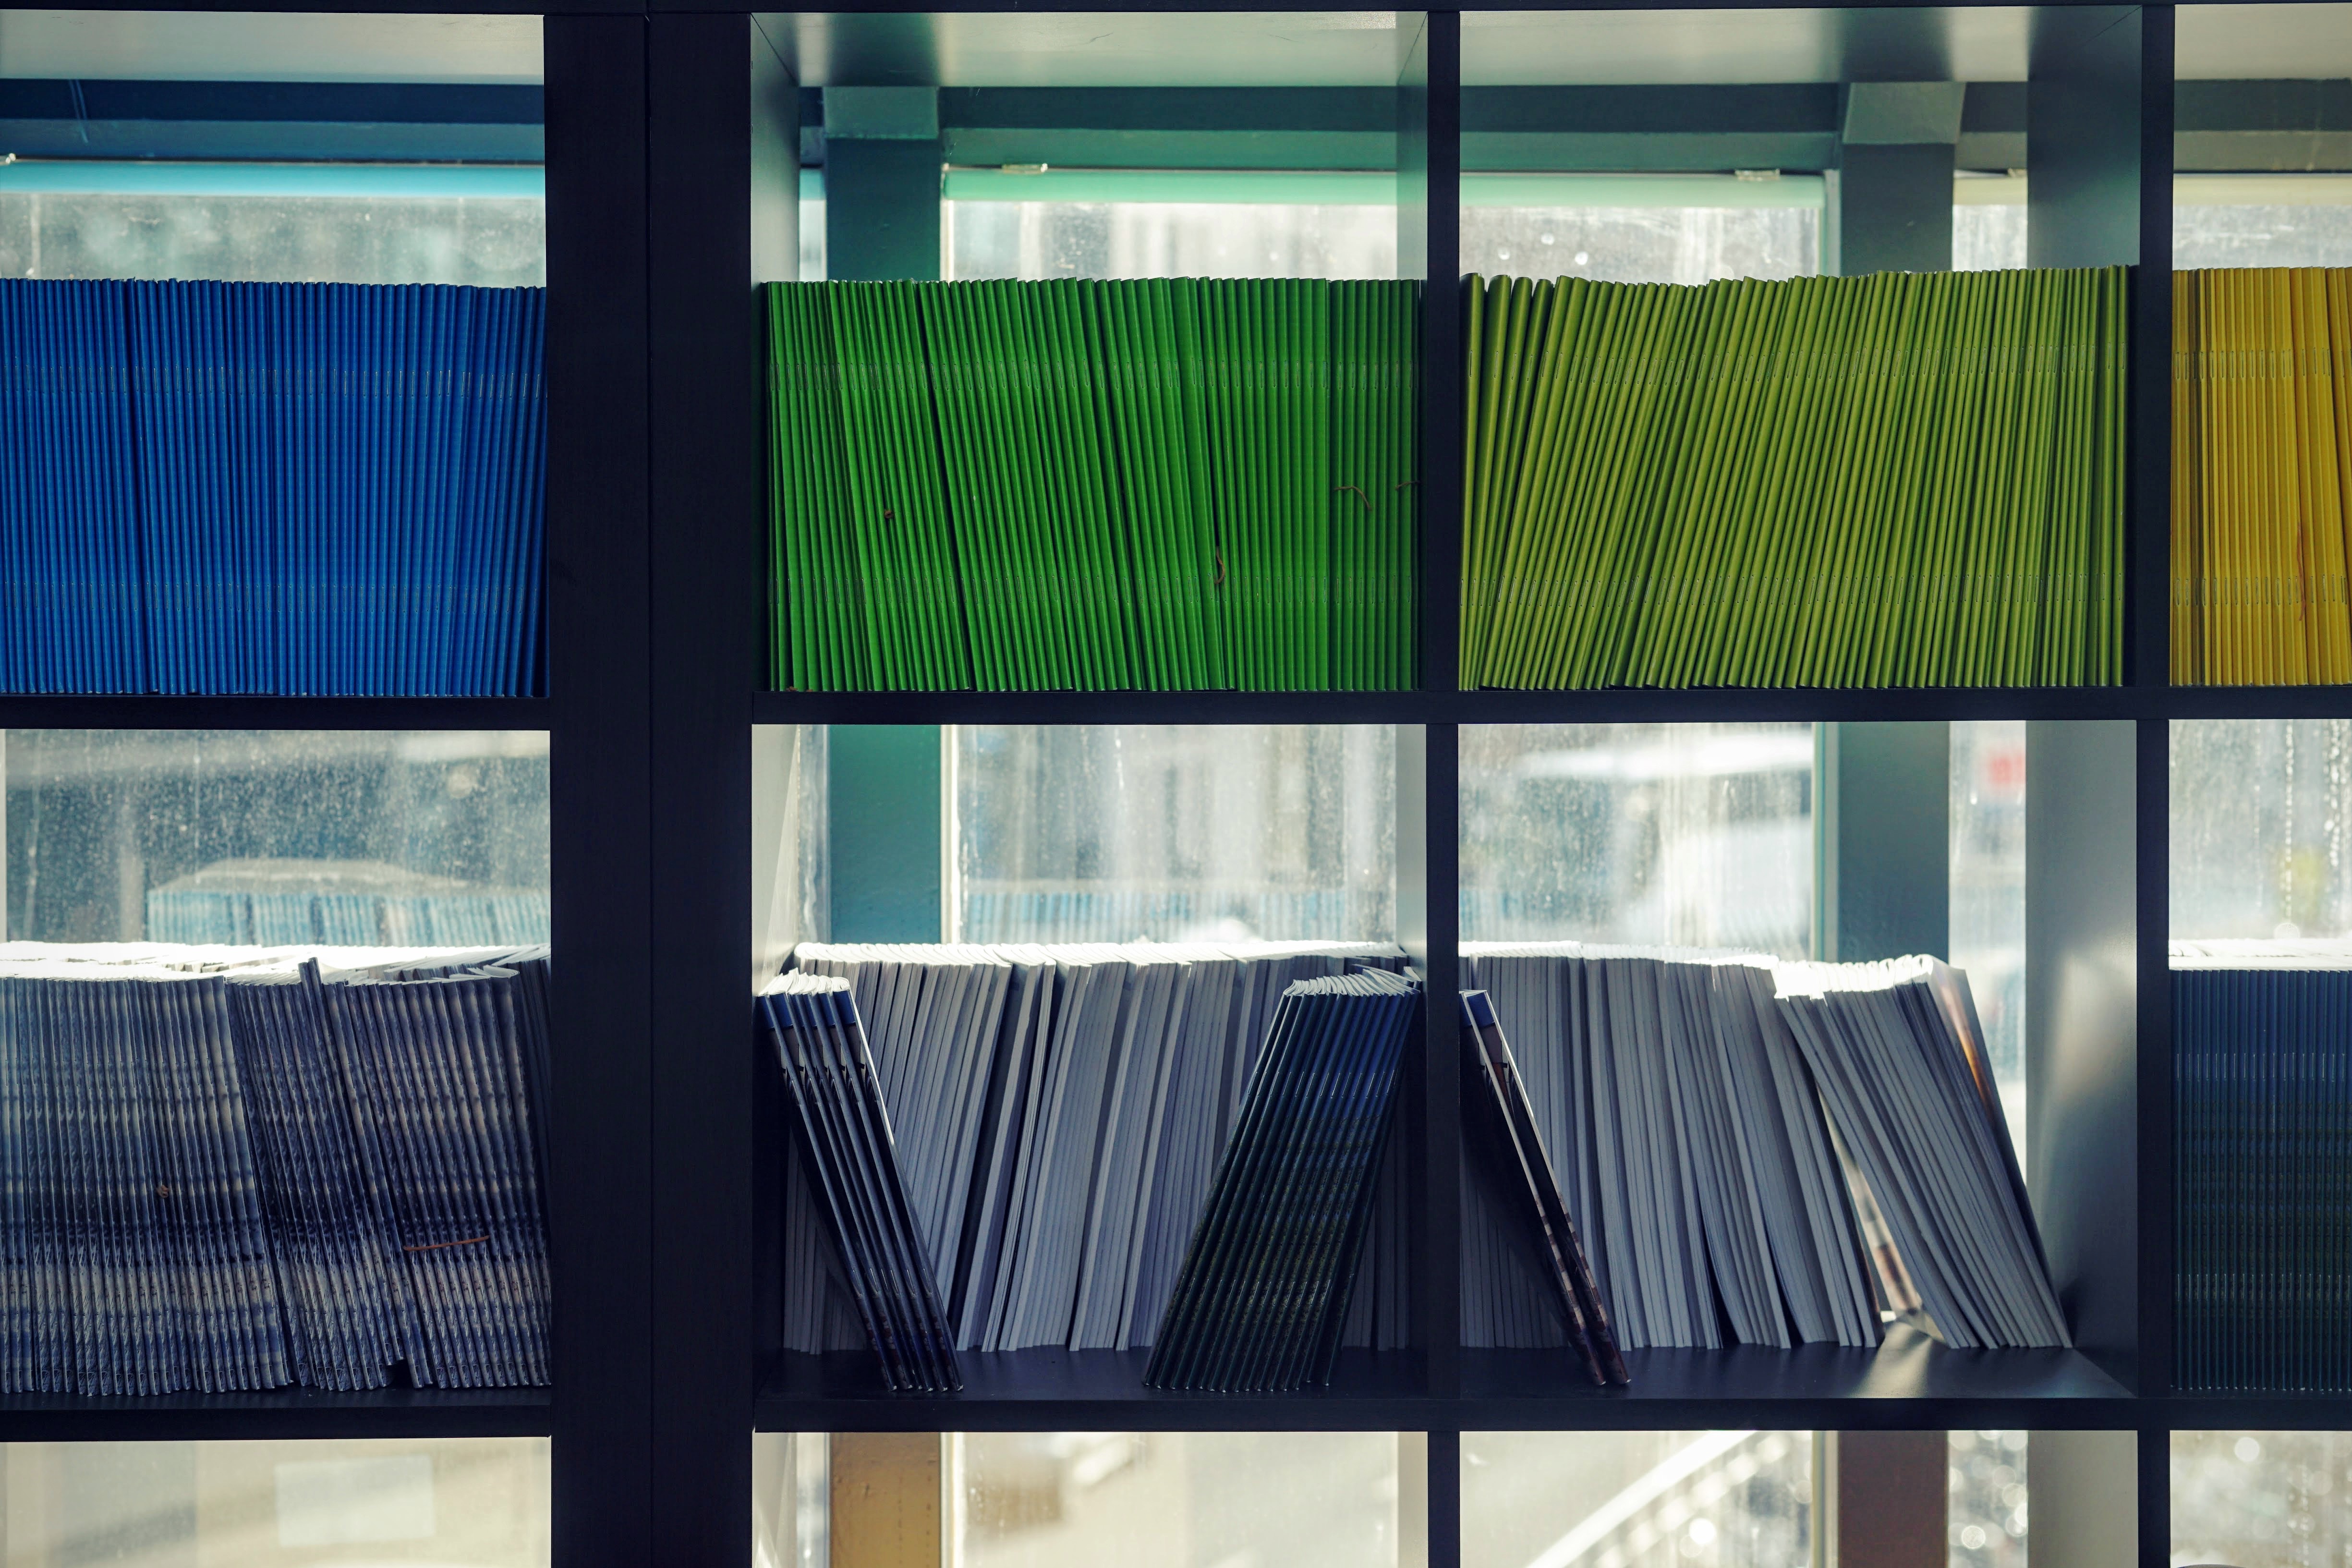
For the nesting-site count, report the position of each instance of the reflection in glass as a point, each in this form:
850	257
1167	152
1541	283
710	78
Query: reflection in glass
1076	1499
485	241
1649	244
481	1503
1178	1499
1988	895
1987	1489
1169	239
2261	1500
2262	821
1636	1500
1696	835
1173	833
341	838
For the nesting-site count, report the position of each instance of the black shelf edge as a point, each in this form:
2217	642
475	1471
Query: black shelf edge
1700	705
27	712
1612	706
1057	1390
1910	1383
279	1414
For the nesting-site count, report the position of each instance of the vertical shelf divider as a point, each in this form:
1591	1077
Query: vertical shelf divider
600	640
703	563
2151	634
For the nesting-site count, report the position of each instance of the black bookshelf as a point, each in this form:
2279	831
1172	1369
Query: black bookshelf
662	1240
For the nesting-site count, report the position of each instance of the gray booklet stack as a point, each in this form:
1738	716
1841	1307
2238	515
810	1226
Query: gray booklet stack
231	1168
1059	1114
1758	1152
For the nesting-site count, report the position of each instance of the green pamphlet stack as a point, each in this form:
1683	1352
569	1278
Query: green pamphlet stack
1167	485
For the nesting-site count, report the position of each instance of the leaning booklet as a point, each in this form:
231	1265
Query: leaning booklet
1514	1155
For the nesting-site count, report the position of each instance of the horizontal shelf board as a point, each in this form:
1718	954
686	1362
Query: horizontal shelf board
22	711
1057	1390
1893	1383
1614	706
282	1414
2259	701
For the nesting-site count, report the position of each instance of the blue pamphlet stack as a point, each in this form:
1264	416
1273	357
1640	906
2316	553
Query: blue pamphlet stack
277	488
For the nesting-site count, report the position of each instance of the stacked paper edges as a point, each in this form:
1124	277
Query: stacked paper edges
1179	484
1901	480
1757	1153
227	1170
1057	1116
279	488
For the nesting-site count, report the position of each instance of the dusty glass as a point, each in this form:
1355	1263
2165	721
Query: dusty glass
342	837
480	1501
1172	832
2262	821
2261	1500
1641	245
1169	239
1636	1500
1695	835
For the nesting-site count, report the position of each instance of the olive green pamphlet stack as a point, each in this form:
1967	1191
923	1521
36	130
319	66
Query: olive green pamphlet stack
1903	479
1175	484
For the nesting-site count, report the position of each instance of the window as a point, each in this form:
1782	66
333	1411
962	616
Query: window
1641	228
1172	832
481	1501
342	837
2262	821
1159	1499
2261	1500
1084	223
1695	835
275	223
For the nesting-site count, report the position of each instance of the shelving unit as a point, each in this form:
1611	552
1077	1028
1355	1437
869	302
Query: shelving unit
672	137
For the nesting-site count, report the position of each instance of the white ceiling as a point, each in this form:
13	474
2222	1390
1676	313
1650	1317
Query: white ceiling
1536	49
1294	49
233	45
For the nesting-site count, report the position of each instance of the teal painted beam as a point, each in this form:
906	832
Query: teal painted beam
882	209
882	807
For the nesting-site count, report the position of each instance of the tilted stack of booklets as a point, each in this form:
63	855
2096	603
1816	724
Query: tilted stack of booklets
1758	1152
1900	479
233	1168
845	1136
2262	1164
2261	475
1182	484
1508	1158
1261	1303
281	488
1059	1113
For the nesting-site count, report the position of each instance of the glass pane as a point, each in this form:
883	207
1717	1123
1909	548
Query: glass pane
2260	813
1988	224
1636	1500
494	240
2261	1500
1173	833
1988	895
1696	835
479	1502
1642	243
339	838
1073	1500
1169	239
1986	1492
